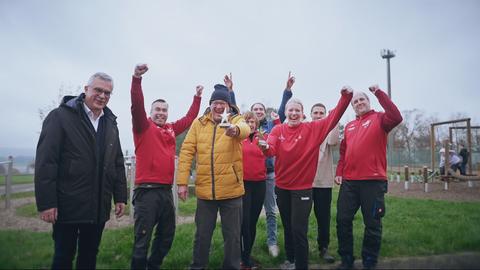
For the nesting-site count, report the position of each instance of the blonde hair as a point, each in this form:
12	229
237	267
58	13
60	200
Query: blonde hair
294	101
248	114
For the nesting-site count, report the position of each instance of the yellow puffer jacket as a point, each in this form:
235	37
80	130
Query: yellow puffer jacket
218	158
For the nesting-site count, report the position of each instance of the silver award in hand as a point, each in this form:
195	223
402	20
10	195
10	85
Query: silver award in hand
224	123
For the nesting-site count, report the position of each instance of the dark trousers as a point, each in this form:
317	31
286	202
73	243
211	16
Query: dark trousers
205	221
295	207
67	237
369	195
322	201
252	206
153	207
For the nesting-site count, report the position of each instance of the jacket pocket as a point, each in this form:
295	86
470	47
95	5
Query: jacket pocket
235	173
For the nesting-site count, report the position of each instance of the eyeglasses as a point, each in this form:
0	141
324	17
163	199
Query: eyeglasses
101	91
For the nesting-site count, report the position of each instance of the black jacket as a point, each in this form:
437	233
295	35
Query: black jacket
68	175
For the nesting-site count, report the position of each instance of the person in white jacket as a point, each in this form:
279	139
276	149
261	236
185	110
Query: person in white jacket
323	184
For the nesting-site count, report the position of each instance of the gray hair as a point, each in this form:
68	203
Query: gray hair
357	93
294	101
102	76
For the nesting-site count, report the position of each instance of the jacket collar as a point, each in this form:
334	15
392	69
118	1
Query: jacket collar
75	103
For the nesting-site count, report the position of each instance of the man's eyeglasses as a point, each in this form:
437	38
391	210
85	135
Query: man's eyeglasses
100	91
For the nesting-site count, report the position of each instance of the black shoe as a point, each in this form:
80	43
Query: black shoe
326	256
347	263
369	264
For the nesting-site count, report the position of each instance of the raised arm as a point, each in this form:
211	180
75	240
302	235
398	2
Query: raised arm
324	126
392	117
228	80
139	115
287	94
183	123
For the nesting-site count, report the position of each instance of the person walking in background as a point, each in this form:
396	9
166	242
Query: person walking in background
214	140
79	168
155	160
362	174
323	184
295	145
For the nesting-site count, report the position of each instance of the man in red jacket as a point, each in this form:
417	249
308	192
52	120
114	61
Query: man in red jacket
155	159
362	173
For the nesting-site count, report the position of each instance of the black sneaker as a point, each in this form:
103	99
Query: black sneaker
326	256
347	263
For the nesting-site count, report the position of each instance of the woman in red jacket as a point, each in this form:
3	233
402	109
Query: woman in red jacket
295	147
254	176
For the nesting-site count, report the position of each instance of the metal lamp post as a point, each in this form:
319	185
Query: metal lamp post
387	54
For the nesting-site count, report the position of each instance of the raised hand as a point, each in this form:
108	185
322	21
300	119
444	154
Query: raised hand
374	88
228	80
199	90
290	81
346	90
140	69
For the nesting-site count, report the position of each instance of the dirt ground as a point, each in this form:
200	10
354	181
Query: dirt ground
457	191
8	219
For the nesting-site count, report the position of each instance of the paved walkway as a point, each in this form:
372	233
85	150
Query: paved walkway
463	260
18	188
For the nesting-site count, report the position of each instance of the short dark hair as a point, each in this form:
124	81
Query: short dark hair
159	100
261	104
318	105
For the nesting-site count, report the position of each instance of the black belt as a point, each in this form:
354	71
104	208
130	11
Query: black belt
153	185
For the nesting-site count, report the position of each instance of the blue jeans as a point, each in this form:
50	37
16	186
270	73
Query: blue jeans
270	206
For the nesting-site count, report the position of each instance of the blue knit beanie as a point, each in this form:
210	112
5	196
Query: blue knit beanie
220	93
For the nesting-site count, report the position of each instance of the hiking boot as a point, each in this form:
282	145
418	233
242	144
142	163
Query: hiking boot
273	250
287	265
347	263
326	256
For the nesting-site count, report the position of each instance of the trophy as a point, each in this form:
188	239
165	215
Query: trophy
224	123
261	139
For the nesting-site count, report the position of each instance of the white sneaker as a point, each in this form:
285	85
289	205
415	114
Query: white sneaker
273	250
287	265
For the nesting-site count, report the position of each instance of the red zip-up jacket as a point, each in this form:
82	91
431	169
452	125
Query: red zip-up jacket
363	148
296	148
154	145
254	168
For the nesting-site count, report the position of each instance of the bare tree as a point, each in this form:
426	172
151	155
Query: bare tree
62	91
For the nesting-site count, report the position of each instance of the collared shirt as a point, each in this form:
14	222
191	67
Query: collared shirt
91	116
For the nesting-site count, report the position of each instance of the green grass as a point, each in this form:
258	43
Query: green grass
30	210
412	227
18	179
188	207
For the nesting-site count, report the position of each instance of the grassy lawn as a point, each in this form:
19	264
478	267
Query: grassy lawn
18	195
18	179
412	227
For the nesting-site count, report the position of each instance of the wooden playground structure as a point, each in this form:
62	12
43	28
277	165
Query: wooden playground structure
449	175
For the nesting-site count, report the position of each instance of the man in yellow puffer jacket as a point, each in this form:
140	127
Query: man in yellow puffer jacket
219	181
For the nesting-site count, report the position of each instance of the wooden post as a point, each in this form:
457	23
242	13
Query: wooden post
8	183
446	146
432	145
407	177
425	178
132	170
398	177
469	147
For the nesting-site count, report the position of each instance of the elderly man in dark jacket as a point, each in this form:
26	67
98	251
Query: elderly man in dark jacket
79	166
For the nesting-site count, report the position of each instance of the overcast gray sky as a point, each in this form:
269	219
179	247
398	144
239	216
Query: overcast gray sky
326	44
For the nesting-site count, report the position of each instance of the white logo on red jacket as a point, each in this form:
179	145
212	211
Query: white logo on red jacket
366	124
